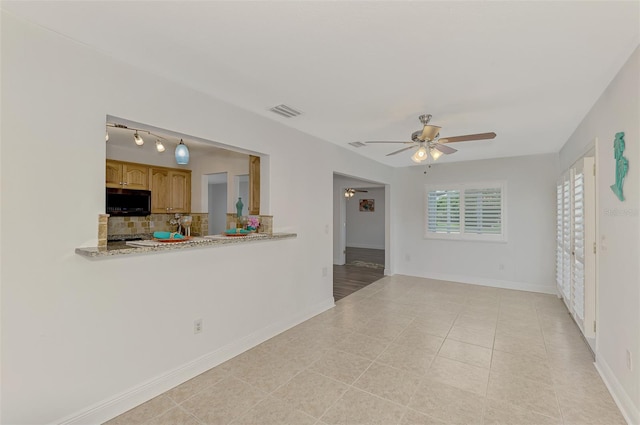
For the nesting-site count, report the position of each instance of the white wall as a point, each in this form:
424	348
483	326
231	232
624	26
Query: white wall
94	338
528	258
366	229
618	227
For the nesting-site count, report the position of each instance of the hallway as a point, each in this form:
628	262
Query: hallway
363	267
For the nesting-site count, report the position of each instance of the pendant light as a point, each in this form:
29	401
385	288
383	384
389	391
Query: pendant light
159	146
139	141
182	153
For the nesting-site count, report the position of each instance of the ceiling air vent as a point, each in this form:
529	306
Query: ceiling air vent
285	111
357	144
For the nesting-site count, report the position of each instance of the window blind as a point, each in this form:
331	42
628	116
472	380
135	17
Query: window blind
466	211
483	211
443	211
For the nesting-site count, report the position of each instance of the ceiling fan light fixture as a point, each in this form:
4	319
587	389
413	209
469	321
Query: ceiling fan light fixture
435	153
415	158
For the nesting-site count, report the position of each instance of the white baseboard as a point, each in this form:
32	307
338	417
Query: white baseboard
496	283
630	412
120	403
364	245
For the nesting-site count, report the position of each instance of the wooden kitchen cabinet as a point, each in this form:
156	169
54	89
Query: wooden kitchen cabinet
254	185
127	175
170	190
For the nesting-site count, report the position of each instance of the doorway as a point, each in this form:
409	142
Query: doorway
217	202
360	229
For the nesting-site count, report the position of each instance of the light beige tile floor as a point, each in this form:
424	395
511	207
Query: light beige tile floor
405	350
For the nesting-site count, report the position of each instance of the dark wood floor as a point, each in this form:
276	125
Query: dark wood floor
363	266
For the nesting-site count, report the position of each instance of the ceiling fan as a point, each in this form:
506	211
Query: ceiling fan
429	144
349	192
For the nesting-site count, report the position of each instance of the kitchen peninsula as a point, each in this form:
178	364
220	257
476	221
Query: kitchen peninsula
198	242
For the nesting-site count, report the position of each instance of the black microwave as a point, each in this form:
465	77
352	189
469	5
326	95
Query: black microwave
128	202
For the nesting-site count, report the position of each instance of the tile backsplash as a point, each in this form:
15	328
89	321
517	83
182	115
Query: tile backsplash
155	223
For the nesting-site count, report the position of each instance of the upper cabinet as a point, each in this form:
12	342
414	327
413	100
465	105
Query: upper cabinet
127	175
170	190
170	187
254	185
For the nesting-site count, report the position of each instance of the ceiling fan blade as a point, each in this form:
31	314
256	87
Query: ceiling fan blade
388	141
467	138
358	190
445	149
401	150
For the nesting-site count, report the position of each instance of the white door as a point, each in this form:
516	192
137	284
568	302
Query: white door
583	265
575	242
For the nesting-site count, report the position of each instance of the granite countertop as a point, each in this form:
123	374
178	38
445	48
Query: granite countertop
123	247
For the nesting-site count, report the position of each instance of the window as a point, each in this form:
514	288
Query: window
474	211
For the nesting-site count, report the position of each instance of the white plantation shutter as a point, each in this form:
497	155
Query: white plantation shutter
559	233
443	211
577	276
483	211
472	211
566	241
575	243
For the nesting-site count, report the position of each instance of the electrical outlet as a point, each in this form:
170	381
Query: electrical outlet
407	257
151	225
324	272
500	266
629	360
197	326
326	229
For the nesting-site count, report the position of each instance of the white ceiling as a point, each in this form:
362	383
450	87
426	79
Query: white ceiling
360	71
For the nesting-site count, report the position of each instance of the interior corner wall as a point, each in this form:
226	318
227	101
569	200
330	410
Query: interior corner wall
365	229
618	232
526	261
92	338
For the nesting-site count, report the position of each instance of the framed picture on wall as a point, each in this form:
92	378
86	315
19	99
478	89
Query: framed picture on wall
367	205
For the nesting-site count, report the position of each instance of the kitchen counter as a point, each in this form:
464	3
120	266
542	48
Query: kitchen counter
118	248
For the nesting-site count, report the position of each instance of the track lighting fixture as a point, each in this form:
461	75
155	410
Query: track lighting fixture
139	141
182	153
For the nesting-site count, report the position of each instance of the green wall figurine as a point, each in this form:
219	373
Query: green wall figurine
622	165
